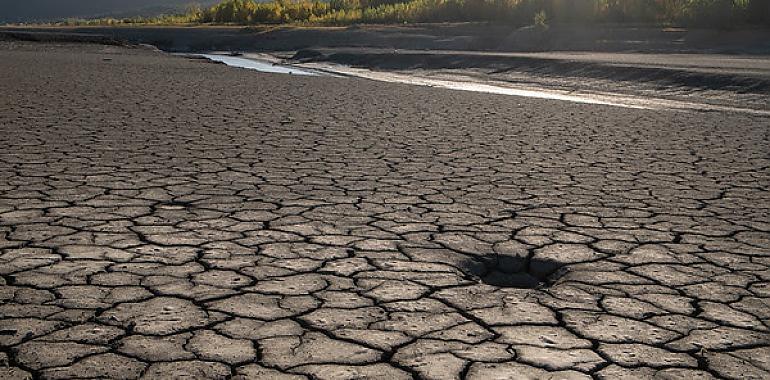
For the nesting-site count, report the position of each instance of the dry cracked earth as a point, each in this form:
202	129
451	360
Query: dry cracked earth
169	218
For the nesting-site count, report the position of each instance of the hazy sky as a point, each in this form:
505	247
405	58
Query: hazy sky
31	10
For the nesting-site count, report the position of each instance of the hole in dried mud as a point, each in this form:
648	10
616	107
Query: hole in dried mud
514	271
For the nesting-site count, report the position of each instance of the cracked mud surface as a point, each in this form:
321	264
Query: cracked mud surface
163	218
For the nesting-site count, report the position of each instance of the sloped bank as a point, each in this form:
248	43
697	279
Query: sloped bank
755	80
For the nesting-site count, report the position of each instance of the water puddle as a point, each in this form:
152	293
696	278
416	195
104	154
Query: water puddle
255	64
273	65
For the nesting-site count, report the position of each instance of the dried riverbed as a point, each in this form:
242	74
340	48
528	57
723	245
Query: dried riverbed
161	217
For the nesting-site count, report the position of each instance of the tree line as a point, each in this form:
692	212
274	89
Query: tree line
698	13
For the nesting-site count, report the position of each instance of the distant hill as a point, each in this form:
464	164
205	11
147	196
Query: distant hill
53	10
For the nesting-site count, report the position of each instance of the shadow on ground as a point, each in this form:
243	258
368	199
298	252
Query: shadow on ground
510	271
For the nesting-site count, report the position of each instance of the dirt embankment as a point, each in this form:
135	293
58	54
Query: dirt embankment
704	72
462	36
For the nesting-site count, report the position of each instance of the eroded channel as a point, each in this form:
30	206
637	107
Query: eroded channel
474	85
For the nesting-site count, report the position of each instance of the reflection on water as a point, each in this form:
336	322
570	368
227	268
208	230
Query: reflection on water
254	64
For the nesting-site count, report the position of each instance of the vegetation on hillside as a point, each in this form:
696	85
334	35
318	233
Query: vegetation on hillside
709	13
